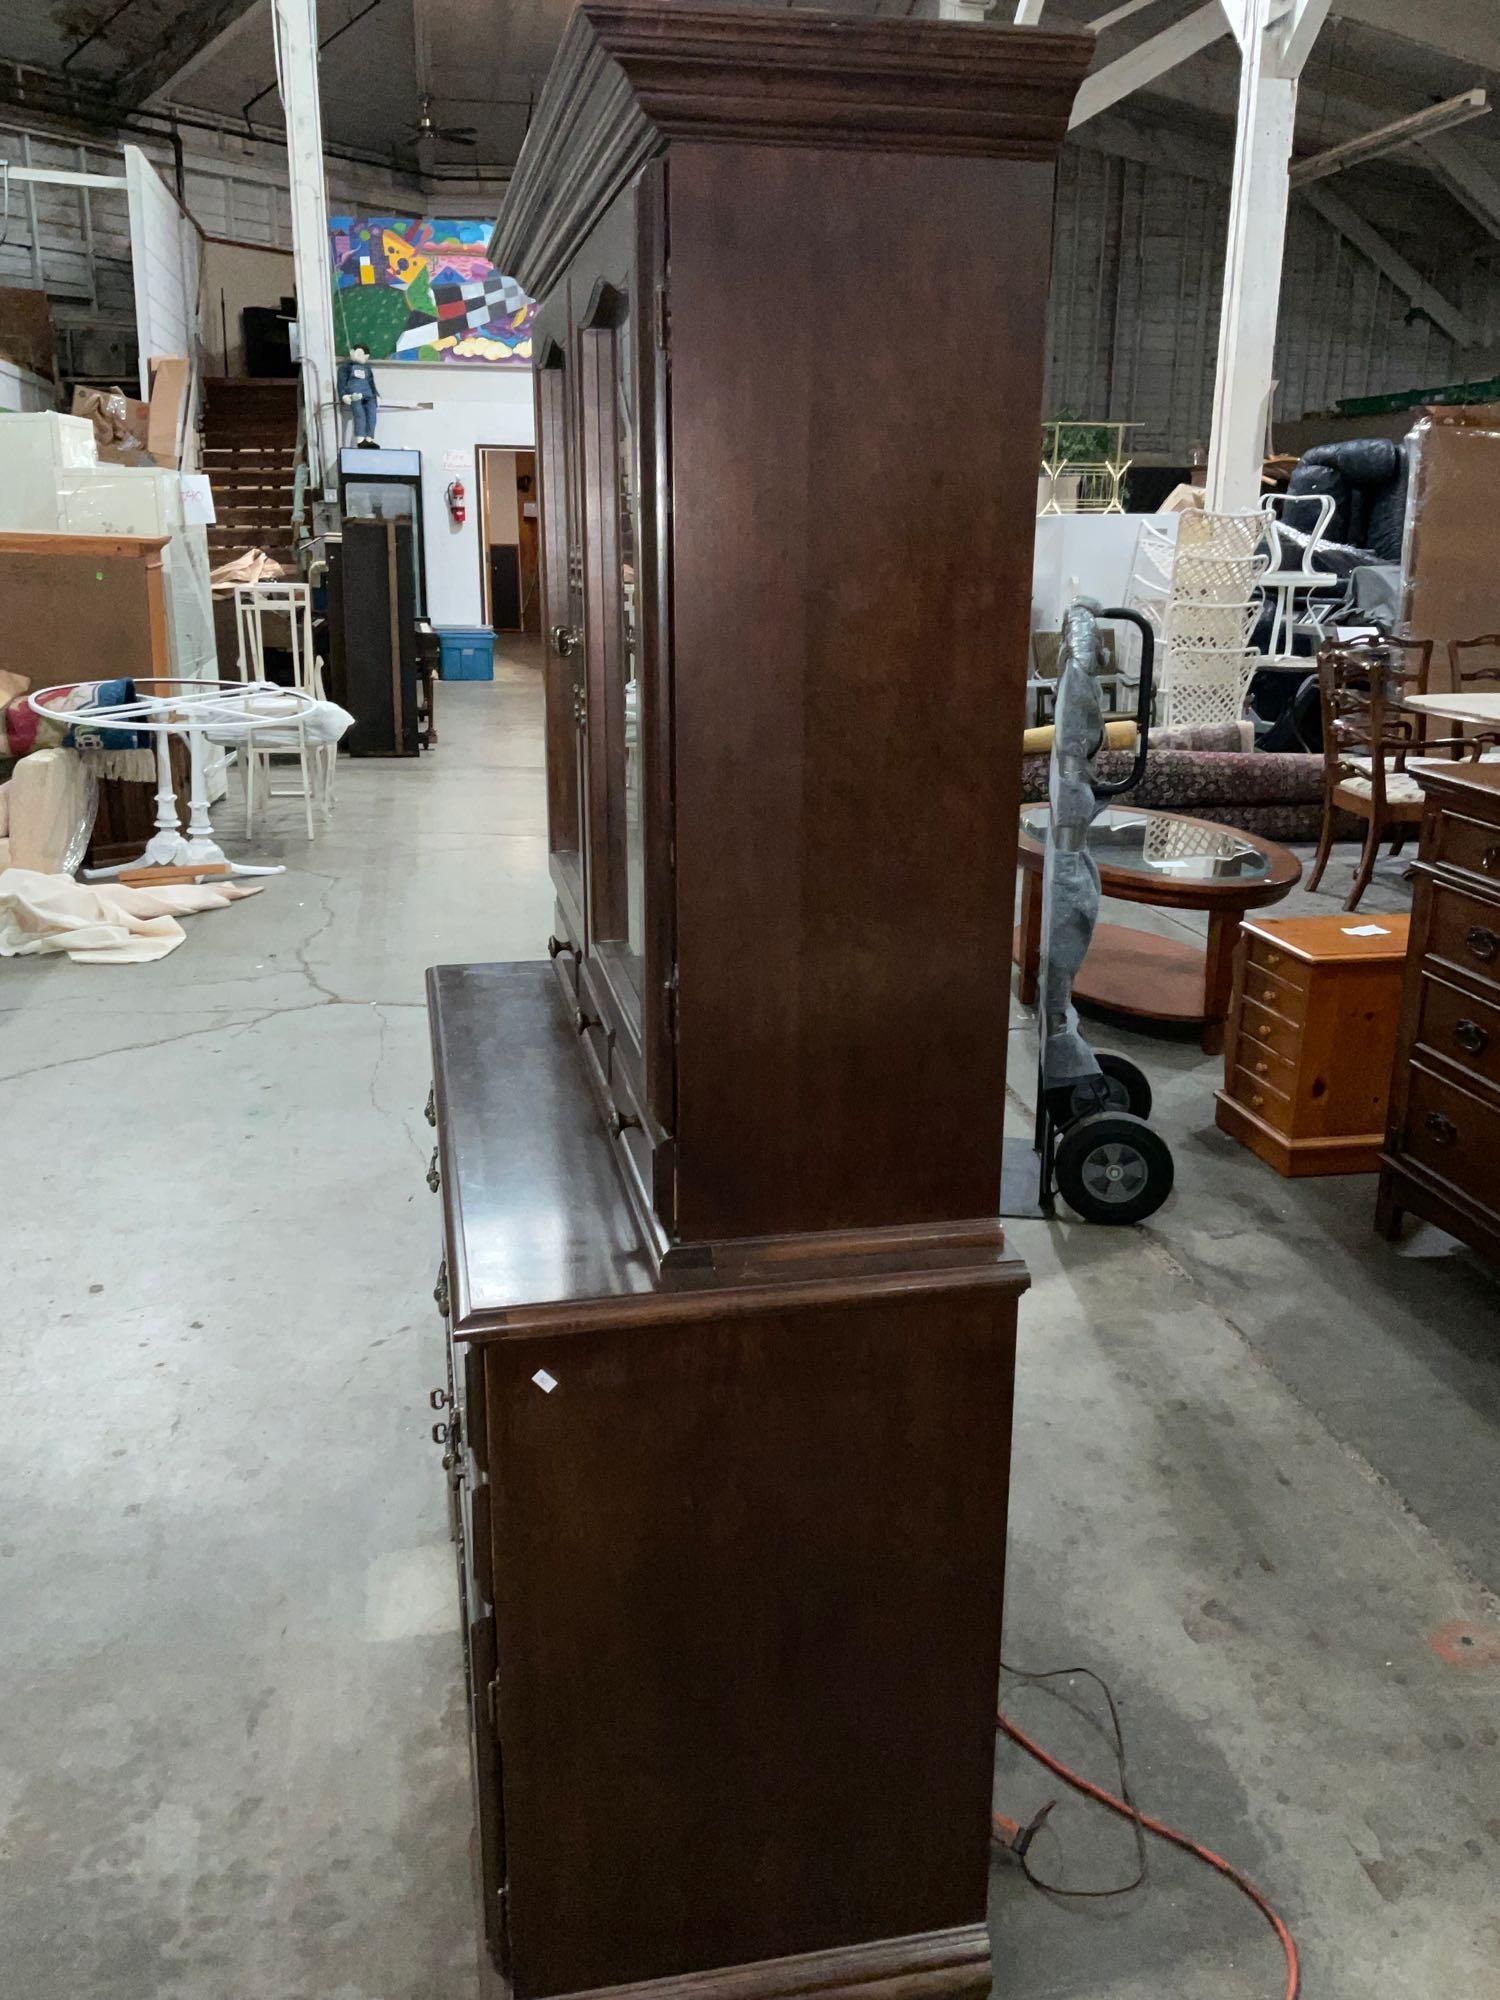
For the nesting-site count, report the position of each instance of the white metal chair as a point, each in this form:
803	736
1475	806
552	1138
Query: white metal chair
317	763
1291	571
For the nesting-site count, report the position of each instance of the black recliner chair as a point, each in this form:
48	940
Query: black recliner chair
1367	478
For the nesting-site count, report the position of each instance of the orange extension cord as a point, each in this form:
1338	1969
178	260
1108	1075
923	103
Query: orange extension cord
1006	1831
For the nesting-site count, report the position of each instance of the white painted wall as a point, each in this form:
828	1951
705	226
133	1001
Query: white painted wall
471	406
1085	555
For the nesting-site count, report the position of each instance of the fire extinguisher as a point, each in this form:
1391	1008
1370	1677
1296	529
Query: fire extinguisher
457	508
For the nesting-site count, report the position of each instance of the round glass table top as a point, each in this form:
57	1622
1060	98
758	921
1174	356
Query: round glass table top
1132	841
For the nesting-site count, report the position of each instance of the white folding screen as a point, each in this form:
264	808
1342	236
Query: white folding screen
166	260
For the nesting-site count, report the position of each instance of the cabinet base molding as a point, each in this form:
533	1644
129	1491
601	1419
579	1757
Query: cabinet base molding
1407	1191
937	1965
1357	1153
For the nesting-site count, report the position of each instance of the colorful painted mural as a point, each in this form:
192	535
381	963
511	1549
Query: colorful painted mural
424	290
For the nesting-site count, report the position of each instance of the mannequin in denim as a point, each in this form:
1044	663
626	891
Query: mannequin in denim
356	386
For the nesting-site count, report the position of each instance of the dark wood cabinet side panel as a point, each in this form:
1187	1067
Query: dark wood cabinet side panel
856	357
748	1594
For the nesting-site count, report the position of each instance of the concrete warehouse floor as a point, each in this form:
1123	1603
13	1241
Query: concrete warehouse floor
1255	1479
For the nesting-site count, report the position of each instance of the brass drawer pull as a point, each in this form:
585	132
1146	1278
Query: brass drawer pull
440	1289
582	1020
1482	941
434	1178
429	1109
1469	1035
1442	1130
438	1399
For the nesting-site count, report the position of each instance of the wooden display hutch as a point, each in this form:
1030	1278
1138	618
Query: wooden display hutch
731	1315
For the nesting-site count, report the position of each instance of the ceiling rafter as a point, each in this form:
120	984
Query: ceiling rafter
187	39
1150	59
1385	257
1467	179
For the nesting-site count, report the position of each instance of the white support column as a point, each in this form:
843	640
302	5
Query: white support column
295	27
1274	42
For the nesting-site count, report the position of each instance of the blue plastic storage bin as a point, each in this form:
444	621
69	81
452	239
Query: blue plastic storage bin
466	653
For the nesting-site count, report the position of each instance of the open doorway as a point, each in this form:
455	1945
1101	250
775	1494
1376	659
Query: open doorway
509	567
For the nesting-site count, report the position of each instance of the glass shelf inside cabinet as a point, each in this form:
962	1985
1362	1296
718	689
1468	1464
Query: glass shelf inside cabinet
628	482
616	724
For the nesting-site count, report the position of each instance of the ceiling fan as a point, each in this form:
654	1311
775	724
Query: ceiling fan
426	129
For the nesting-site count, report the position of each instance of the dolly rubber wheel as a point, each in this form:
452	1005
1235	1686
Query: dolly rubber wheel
1113	1168
1129	1089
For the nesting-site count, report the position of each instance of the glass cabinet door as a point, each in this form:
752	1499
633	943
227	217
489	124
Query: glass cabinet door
612	536
565	656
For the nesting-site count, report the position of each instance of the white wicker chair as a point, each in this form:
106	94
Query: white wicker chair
1199	593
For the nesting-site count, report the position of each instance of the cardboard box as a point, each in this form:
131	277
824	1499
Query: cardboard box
170	376
120	425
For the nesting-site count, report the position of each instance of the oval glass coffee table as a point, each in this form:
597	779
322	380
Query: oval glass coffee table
1176	863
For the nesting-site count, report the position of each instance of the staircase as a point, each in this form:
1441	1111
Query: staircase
250	456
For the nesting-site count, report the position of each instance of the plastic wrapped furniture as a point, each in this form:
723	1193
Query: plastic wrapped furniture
49	804
1092	1141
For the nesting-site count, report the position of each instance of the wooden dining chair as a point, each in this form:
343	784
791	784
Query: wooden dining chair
1367	741
1472	672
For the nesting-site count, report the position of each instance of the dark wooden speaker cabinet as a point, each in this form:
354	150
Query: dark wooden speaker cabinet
731	1317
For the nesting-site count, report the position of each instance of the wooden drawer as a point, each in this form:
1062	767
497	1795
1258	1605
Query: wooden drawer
1269	1029
1455	1135
1465	931
1468	844
1261	1061
1461	1027
1266	960
1274	990
1260	1095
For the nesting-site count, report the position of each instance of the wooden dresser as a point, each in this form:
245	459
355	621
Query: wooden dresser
1312	1034
1442	1155
731	1312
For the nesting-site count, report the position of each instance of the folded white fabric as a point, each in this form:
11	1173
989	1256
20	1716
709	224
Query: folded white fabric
101	923
269	719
